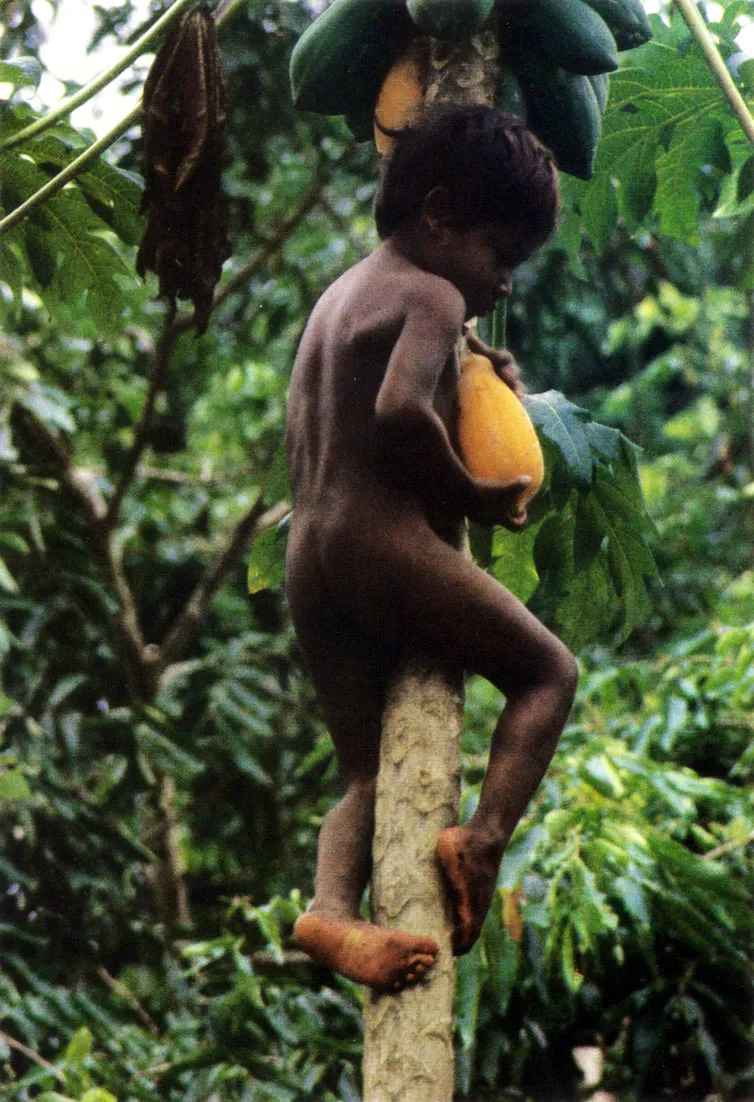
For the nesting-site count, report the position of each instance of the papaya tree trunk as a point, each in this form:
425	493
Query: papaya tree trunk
408	1038
408	1051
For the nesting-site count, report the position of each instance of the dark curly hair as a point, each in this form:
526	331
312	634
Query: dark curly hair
494	168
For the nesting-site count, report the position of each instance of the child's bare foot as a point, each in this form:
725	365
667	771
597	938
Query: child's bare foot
469	864
387	960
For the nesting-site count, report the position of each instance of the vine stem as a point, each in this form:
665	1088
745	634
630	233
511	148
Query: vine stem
706	42
66	106
57	183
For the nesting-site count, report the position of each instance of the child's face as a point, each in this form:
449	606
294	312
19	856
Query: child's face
481	261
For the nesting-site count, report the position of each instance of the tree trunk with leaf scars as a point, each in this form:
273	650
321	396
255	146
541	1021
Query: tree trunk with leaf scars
408	1044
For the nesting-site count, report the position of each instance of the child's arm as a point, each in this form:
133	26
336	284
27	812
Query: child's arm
405	412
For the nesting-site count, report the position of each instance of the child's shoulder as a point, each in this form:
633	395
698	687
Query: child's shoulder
392	283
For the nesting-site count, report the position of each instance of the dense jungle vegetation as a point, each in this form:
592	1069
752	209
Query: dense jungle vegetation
163	767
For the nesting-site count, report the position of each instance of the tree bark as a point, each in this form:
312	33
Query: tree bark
408	1038
408	1051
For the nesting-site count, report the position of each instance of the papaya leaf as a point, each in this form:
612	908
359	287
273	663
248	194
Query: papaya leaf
563	424
592	555
608	443
553	551
588	611
115	196
737	192
20	71
591	533
267	559
67	244
277	487
503	959
469	981
513	561
695	142
572	977
629	560
666	123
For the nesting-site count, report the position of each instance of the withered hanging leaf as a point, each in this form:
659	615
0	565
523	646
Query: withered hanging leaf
186	239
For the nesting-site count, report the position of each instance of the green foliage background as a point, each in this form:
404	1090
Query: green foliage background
160	829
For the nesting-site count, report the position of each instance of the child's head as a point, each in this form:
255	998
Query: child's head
493	168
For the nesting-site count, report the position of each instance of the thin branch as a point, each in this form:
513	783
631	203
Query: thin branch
78	481
706	42
90	503
11	1042
729	847
182	478
67	106
266	963
158	365
187	623
127	994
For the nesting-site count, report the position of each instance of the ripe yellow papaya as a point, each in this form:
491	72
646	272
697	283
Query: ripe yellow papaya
495	433
401	95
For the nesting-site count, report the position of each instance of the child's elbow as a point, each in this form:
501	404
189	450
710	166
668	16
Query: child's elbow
396	414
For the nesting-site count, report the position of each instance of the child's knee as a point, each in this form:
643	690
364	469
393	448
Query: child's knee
553	670
362	790
566	673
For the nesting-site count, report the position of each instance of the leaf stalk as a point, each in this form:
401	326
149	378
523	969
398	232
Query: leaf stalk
707	45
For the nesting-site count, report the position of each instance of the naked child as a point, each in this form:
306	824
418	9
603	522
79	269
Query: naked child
374	566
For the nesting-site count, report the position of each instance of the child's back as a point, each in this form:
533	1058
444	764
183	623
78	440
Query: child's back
339	456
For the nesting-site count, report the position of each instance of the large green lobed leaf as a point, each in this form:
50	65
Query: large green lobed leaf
667	133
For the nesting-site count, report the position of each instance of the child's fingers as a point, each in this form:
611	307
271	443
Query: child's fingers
517	521
517	516
502	361
500	357
512	376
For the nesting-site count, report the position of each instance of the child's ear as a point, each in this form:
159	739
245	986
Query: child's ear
437	209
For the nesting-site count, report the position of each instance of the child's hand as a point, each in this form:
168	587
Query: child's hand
500	504
505	366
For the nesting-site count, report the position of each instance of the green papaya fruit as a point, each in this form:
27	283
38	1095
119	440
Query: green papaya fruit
563	112
570	34
360	121
342	58
508	95
600	83
449	18
626	19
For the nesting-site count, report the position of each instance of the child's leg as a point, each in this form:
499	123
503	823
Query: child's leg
350	689
454	609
